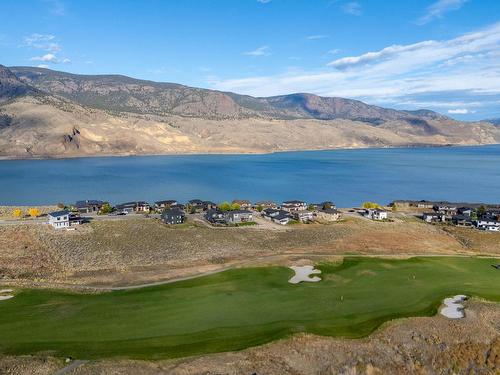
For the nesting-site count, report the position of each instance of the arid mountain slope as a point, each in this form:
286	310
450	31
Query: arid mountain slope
44	113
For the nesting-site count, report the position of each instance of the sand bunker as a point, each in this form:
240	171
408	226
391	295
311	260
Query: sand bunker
453	308
302	273
4	295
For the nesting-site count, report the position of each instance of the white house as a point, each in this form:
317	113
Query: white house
292	206
487	223
59	219
303	216
376	214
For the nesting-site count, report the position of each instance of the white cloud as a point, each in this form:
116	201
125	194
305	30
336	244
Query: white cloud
438	9
458	111
49	57
45	66
333	51
261	51
41	41
354	8
66	61
263	1
468	64
315	37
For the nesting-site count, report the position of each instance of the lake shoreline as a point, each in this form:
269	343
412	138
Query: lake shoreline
125	155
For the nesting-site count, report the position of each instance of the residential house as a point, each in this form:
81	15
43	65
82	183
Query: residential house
462	220
89	206
130	207
161	205
487	223
323	206
265	204
445	208
179	206
303	216
59	219
329	214
208	205
195	205
238	216
467	211
215	216
244	204
282	218
173	216
75	219
376	214
277	216
268	213
292	206
433	217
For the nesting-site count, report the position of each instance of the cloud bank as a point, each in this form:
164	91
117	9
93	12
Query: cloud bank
467	66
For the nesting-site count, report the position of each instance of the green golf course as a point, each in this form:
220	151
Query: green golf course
239	308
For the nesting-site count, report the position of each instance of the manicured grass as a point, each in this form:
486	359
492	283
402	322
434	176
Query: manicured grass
238	308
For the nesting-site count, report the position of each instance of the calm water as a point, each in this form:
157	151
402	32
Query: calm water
348	177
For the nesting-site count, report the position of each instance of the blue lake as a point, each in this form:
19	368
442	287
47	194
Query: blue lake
347	177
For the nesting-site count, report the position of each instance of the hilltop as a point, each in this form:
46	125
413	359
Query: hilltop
46	113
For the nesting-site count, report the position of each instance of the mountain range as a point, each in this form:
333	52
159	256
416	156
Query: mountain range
46	113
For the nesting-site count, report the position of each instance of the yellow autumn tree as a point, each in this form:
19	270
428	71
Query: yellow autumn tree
34	212
372	205
17	212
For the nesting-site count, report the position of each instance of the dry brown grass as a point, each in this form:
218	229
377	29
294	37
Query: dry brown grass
145	250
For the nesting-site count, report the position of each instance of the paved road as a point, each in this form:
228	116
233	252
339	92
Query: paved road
72	366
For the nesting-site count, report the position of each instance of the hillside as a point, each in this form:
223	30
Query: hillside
45	113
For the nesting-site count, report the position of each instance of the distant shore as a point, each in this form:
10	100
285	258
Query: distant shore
243	152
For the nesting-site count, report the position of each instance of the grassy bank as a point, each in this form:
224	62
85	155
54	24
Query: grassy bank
238	308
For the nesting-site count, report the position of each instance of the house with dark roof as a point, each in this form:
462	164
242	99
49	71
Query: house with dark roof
130	207
323	205
173	216
215	216
195	205
278	216
89	206
282	218
462	220
59	219
488	223
208	205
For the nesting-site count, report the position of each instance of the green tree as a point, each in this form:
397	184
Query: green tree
225	206
327	206
259	208
106	208
235	206
481	211
311	207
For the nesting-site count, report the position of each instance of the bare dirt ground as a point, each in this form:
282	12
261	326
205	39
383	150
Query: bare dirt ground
135	251
435	345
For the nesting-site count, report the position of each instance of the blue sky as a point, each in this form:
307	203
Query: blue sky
439	54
